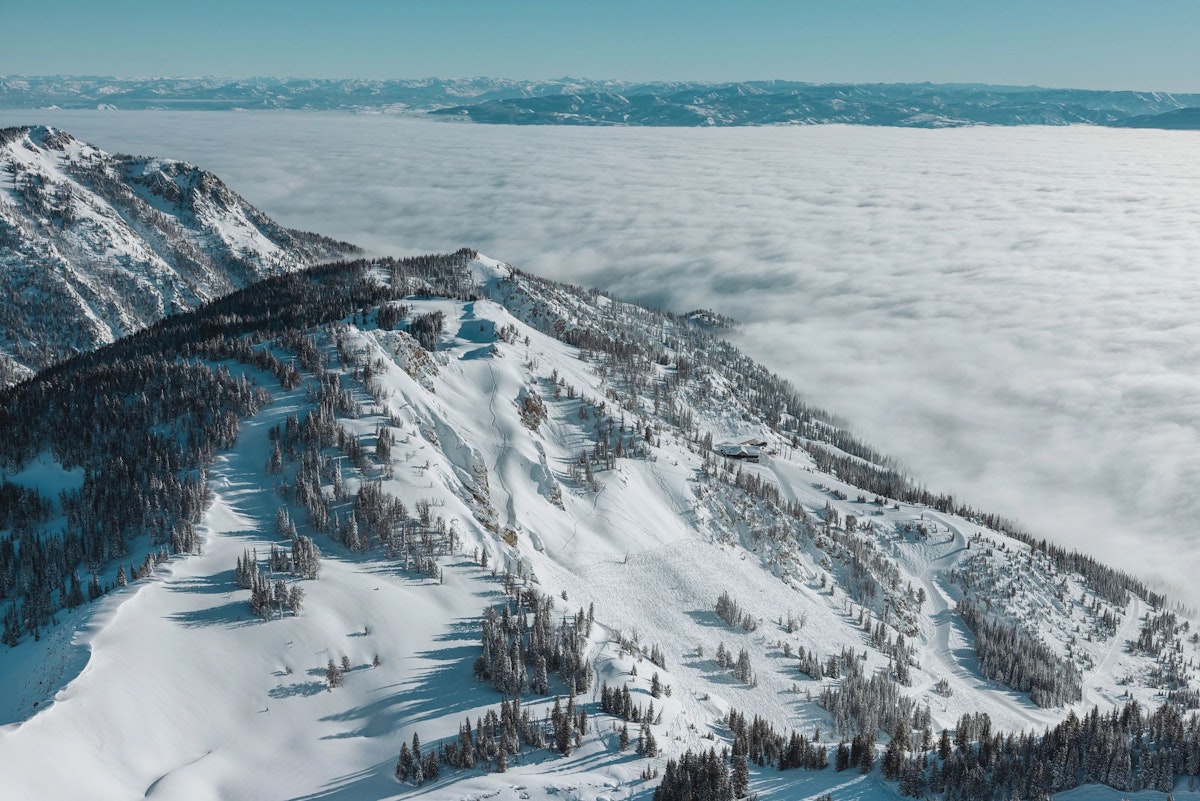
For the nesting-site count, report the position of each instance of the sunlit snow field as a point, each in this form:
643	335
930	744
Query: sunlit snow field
1014	313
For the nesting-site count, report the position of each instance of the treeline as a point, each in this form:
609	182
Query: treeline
143	418
498	740
1127	749
1110	584
863	704
619	703
696	777
731	612
270	593
1011	657
141	433
709	776
760	743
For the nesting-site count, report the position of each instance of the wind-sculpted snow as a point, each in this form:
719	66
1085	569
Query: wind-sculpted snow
1009	312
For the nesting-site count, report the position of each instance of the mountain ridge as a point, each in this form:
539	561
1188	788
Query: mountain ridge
566	442
571	101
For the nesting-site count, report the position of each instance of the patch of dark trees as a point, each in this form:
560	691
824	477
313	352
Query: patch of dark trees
1010	656
144	417
523	646
1127	749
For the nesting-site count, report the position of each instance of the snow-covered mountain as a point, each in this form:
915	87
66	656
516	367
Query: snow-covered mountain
314	94
94	246
521	489
577	101
776	102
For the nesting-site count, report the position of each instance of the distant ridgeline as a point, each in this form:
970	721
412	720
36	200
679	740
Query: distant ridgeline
570	101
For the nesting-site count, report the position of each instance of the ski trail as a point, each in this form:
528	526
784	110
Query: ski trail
502	452
785	486
945	622
1125	634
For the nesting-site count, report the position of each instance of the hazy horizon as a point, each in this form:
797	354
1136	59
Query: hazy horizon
1068	43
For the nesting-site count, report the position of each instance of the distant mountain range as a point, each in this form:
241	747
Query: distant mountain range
570	101
94	246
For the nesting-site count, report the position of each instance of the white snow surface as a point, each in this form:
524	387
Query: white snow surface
170	689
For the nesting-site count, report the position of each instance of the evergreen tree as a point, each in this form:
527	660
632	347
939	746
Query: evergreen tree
333	674
404	763
739	768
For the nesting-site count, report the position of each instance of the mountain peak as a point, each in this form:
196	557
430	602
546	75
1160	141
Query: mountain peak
94	246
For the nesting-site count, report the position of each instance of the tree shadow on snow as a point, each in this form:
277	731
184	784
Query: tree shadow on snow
234	614
373	782
471	630
300	688
477	353
713	673
709	619
216	584
396	571
449	688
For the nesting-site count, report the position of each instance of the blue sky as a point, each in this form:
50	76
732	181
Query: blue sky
1076	43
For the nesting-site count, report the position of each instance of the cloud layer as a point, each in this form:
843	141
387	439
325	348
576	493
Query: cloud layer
1011	312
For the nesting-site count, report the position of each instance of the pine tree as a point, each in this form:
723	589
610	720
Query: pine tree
739	771
867	755
404	763
842	759
649	746
561	723
944	749
333	675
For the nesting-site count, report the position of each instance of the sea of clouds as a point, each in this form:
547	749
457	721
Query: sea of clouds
1012	312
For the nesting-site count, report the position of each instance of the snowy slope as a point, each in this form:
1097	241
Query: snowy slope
170	688
94	246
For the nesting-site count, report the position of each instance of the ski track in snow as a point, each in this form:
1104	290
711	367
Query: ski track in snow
951	634
1093	693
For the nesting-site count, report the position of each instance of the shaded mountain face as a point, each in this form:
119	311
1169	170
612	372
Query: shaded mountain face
94	246
1183	119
